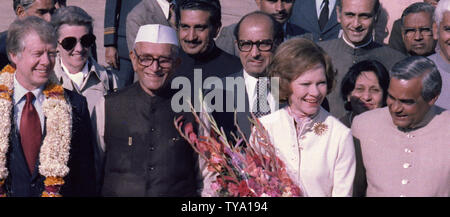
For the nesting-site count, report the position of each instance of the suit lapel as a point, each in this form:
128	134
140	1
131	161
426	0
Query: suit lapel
158	14
310	13
331	22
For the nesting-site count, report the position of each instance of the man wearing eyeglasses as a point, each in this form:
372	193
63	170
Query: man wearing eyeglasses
281	10
145	155
417	29
24	8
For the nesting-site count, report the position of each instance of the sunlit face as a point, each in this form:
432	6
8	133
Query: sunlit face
40	8
279	9
417	33
35	63
195	31
254	29
308	91
367	94
153	77
357	18
405	102
75	58
442	34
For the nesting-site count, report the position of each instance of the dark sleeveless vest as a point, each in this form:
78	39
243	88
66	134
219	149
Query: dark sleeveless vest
145	155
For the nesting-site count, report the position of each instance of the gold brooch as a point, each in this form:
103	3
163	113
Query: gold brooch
320	128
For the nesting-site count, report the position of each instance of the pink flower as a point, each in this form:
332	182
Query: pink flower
233	189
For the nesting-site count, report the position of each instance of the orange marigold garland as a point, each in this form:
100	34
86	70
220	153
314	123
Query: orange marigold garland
54	153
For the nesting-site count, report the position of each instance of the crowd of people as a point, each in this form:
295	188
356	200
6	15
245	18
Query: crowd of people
350	117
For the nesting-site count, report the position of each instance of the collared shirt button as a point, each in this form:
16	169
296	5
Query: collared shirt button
152	148
152	129
407	150
401	195
406	165
405	181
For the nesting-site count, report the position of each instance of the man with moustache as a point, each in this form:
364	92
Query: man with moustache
405	146
441	58
258	35
357	18
144	153
417	29
24	8
281	10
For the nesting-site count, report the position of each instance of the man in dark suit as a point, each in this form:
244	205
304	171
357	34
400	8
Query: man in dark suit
33	126
317	17
145	155
116	50
281	10
23	8
257	46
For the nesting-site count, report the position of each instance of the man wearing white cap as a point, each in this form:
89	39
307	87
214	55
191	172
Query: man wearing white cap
144	154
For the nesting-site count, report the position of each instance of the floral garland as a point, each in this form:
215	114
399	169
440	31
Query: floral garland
54	153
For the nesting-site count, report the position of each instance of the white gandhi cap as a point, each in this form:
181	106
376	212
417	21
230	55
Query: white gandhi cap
156	33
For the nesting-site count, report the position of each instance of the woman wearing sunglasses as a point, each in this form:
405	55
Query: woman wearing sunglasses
75	67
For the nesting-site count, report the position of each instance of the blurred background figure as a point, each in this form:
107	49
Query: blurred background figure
364	88
24	8
318	17
115	42
441	58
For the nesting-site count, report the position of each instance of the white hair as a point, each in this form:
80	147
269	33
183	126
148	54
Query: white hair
442	7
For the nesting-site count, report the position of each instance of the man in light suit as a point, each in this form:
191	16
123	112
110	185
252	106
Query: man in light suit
279	9
306	14
26	39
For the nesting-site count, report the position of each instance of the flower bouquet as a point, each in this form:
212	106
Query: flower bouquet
243	168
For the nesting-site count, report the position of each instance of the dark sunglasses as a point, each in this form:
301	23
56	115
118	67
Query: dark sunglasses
70	42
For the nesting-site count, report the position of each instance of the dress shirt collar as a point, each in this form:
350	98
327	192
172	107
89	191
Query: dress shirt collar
165	6
20	91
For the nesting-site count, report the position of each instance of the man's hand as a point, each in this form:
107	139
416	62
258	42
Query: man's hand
111	57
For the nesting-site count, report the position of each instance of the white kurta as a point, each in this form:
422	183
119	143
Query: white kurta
322	165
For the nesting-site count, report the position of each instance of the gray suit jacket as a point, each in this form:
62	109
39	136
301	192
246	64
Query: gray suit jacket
226	39
146	12
304	15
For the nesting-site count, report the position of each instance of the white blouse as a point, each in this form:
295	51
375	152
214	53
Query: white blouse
322	164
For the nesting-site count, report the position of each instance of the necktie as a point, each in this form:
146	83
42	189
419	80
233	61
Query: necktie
323	18
30	132
260	104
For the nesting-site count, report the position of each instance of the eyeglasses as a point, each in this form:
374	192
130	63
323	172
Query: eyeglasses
262	45
70	42
163	62
425	31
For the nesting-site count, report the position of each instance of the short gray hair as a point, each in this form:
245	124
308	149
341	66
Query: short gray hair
417	8
73	16
418	66
442	7
21	28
